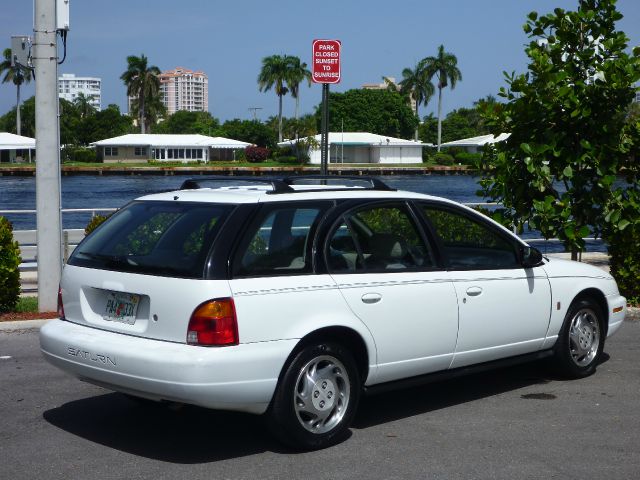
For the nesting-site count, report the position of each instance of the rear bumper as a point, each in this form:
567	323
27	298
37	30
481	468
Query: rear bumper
241	378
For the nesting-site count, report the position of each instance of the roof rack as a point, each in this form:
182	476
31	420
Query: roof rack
284	184
277	184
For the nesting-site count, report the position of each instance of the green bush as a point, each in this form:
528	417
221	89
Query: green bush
95	221
443	159
624	263
9	267
468	158
79	154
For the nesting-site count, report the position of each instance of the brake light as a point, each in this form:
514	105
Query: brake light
60	305
213	323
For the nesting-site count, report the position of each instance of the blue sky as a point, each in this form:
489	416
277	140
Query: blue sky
228	39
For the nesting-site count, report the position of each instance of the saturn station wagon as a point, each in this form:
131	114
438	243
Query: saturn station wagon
292	297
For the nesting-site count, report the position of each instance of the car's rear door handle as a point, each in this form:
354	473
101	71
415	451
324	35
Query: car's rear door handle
371	298
474	291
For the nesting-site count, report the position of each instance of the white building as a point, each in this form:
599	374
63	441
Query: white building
69	86
136	148
184	89
16	148
362	147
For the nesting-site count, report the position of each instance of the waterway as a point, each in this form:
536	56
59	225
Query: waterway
92	191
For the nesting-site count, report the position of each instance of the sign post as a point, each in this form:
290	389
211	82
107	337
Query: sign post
325	70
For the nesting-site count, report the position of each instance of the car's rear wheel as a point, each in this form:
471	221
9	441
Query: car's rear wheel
316	398
581	340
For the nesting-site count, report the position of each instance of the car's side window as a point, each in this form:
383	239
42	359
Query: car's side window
377	238
469	243
278	243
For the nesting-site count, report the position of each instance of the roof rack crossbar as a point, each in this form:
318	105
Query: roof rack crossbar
277	184
376	183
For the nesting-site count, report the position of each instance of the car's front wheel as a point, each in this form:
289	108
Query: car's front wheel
581	339
316	398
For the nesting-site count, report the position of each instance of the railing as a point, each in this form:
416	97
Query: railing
29	242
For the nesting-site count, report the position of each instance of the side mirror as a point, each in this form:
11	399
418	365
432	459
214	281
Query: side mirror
531	257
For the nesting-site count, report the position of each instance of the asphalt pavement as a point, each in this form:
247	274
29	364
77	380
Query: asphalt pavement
514	423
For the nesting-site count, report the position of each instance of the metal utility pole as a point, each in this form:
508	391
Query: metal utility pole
255	112
49	236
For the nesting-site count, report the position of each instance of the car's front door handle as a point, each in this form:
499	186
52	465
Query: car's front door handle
474	291
371	298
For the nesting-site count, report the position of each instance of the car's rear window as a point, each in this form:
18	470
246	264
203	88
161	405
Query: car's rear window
154	238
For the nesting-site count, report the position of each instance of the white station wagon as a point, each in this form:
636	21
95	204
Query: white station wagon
292	297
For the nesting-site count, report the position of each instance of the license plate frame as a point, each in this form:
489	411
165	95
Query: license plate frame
121	307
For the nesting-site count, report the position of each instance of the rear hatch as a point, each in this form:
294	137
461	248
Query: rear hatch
142	271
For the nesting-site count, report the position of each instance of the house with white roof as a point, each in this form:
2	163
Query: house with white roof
16	148
363	147
168	148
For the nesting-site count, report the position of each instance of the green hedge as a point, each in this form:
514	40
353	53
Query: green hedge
441	158
79	154
9	267
468	158
624	263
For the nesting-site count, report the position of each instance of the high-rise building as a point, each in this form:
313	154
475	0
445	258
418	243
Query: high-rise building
184	89
389	81
70	86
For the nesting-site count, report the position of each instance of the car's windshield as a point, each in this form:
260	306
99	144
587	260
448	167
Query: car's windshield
156	238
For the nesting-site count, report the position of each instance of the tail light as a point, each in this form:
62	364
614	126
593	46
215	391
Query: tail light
213	323
60	305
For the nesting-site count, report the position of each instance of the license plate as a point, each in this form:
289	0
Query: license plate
121	307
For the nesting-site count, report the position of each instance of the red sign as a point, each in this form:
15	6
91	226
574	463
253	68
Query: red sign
326	61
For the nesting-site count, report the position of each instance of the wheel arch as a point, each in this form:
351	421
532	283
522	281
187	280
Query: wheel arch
600	299
345	336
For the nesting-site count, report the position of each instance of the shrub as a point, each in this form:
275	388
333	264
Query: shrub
79	154
624	248
95	221
256	154
443	159
468	158
9	267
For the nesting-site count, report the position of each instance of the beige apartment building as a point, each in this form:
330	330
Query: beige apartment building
184	89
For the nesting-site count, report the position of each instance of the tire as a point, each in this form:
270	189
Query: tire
316	397
581	341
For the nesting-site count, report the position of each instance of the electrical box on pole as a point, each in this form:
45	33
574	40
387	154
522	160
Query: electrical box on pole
20	47
62	14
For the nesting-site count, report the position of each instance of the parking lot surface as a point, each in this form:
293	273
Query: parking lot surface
519	422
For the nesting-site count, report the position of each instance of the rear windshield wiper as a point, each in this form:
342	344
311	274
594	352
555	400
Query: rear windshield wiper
111	260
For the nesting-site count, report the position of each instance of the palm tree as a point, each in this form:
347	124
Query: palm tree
83	103
16	74
298	73
142	84
444	67
274	74
418	86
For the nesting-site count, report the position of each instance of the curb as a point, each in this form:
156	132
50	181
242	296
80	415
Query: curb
22	325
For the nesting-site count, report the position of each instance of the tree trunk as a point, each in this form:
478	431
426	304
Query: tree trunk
439	117
279	118
417	126
18	110
141	112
